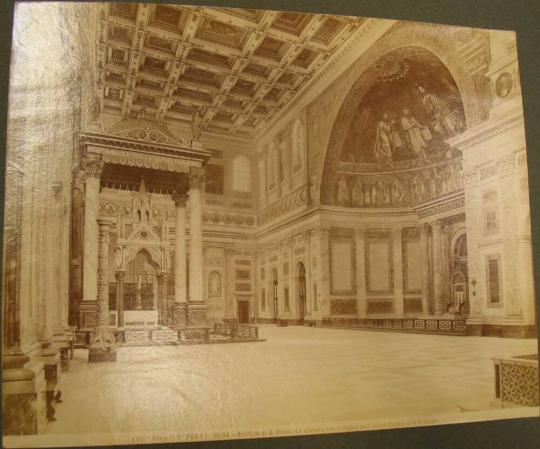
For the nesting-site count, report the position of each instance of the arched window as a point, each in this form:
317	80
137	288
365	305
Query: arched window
241	174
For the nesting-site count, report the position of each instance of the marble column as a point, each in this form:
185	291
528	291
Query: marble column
87	307
162	319
91	209
138	296
165	315
103	345
196	312
120	276
180	272
20	386
438	292
230	306
424	248
196	278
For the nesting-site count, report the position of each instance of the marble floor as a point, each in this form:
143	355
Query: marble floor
299	378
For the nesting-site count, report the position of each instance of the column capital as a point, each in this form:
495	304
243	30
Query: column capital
93	168
196	177
120	275
436	225
320	231
105	224
360	229
180	199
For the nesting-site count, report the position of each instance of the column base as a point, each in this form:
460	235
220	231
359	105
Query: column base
24	402
50	356
180	315
102	346
196	314
195	326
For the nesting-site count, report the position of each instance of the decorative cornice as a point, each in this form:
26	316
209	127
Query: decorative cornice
484	131
140	144
285	205
227	219
453	204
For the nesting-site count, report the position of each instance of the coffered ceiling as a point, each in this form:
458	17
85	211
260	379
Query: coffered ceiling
237	68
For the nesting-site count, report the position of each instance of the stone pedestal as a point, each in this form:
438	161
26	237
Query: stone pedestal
180	315
196	313
194	334
23	395
103	346
51	359
196	327
63	340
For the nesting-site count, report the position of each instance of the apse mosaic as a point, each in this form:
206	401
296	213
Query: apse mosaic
408	113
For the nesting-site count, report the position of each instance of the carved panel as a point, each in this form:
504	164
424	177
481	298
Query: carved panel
412	305
378	306
379	263
342	265
412	262
343	307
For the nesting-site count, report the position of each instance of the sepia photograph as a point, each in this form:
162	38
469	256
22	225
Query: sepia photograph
227	223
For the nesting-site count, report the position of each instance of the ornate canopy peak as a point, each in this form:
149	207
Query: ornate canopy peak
142	128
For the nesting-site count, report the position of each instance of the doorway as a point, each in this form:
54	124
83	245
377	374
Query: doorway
459	295
243	312
301	289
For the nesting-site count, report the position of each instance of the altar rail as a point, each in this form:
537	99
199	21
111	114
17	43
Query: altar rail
237	331
427	325
516	380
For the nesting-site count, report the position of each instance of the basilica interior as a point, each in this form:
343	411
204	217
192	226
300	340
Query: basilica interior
181	174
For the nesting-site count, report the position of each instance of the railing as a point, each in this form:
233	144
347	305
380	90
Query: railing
237	331
516	380
430	325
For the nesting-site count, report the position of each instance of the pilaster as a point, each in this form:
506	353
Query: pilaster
398	271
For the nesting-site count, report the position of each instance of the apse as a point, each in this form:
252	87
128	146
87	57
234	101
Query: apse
395	150
413	106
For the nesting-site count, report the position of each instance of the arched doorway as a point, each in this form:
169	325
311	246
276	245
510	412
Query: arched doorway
459	294
301	291
143	296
